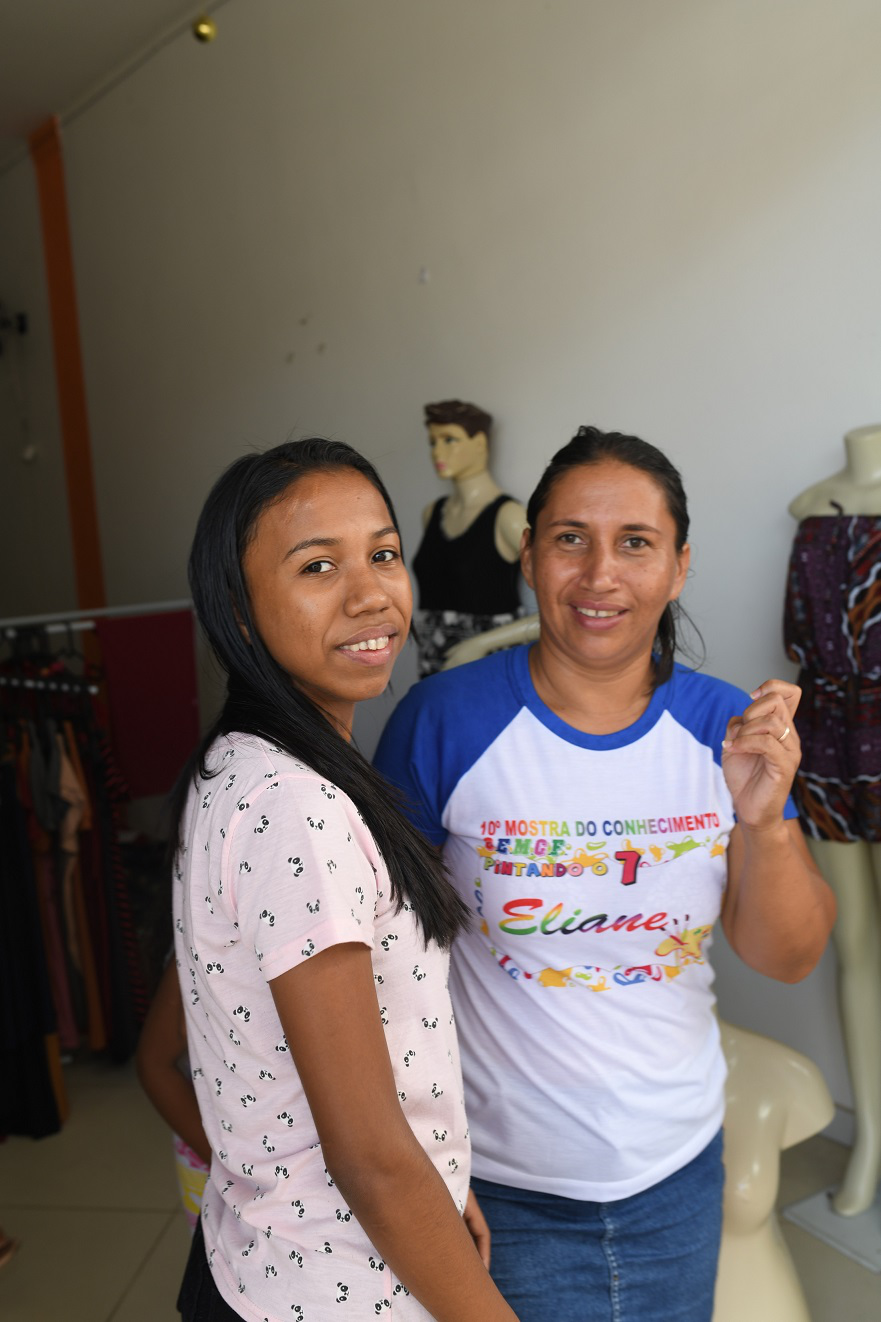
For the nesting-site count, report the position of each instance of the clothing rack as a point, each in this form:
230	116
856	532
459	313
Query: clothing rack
79	621
86	727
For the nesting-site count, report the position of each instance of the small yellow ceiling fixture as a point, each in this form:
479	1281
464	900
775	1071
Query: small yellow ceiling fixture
204	28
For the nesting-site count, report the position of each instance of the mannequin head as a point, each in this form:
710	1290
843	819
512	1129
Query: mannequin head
458	436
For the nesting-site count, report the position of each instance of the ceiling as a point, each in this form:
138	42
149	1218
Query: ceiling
56	55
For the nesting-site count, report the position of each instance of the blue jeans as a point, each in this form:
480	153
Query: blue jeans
648	1258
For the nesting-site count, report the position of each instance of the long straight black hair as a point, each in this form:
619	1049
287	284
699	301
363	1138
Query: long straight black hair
591	446
261	698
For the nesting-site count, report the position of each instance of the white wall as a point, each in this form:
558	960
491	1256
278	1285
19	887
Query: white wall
659	218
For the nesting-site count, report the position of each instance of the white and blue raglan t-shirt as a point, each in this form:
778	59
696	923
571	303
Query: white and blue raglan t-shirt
595	867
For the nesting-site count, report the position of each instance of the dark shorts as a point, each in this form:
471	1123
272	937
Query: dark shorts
199	1299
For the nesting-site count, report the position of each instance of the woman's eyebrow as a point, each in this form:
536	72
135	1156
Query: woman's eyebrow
625	527
308	542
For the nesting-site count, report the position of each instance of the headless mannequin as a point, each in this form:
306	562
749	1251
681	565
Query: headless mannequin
853	869
460	453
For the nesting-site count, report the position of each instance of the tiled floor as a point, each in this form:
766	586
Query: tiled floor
103	1239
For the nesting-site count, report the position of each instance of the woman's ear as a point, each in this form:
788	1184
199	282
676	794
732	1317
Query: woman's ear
526	556
243	628
684	560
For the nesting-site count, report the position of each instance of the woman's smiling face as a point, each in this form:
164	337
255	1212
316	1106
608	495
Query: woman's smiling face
329	594
603	563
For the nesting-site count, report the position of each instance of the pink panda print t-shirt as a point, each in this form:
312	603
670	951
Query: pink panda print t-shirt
275	866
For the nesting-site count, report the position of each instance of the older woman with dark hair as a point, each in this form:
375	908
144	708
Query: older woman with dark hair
600	807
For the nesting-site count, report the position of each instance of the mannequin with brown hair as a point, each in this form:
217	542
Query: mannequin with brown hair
467	564
833	629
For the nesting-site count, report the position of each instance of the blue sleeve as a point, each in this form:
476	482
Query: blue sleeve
442	728
404	756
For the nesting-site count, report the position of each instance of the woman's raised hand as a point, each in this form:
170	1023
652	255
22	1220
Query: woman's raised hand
761	752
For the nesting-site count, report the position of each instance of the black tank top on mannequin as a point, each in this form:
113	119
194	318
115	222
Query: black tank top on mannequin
465	573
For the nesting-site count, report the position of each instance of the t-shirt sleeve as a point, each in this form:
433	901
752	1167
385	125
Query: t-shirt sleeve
298	880
408	755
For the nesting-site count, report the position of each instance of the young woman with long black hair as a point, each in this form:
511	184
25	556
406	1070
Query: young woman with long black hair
312	927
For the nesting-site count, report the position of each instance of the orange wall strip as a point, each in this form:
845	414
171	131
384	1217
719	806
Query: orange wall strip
45	148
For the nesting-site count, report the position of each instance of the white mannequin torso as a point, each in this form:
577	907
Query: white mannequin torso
853	869
856	489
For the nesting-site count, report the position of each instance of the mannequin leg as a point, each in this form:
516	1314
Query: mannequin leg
853	871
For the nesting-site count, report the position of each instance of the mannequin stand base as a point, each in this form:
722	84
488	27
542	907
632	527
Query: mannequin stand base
857	1237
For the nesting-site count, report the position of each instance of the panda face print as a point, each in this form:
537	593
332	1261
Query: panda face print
268	1232
267	917
360	893
242	1012
331	866
383	1015
436	1091
380	1305
282	1171
210	905
408	1056
270	1147
308	949
440	1135
297	1312
252	1244
400	1289
327	792
242	805
244	867
247	1168
214	968
408	908
376	1264
325	1248
282	1045
296	866
270	1270
263	826
248	1099
295	1257
418	973
329	1178
453	1164
285	1118
206	799
429	1023
316	826
342	1292
378	979
298	1208
387	940
343	1215
402	1096
313	905
236	1041
230	1065
231	780
226	1126
267	1074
